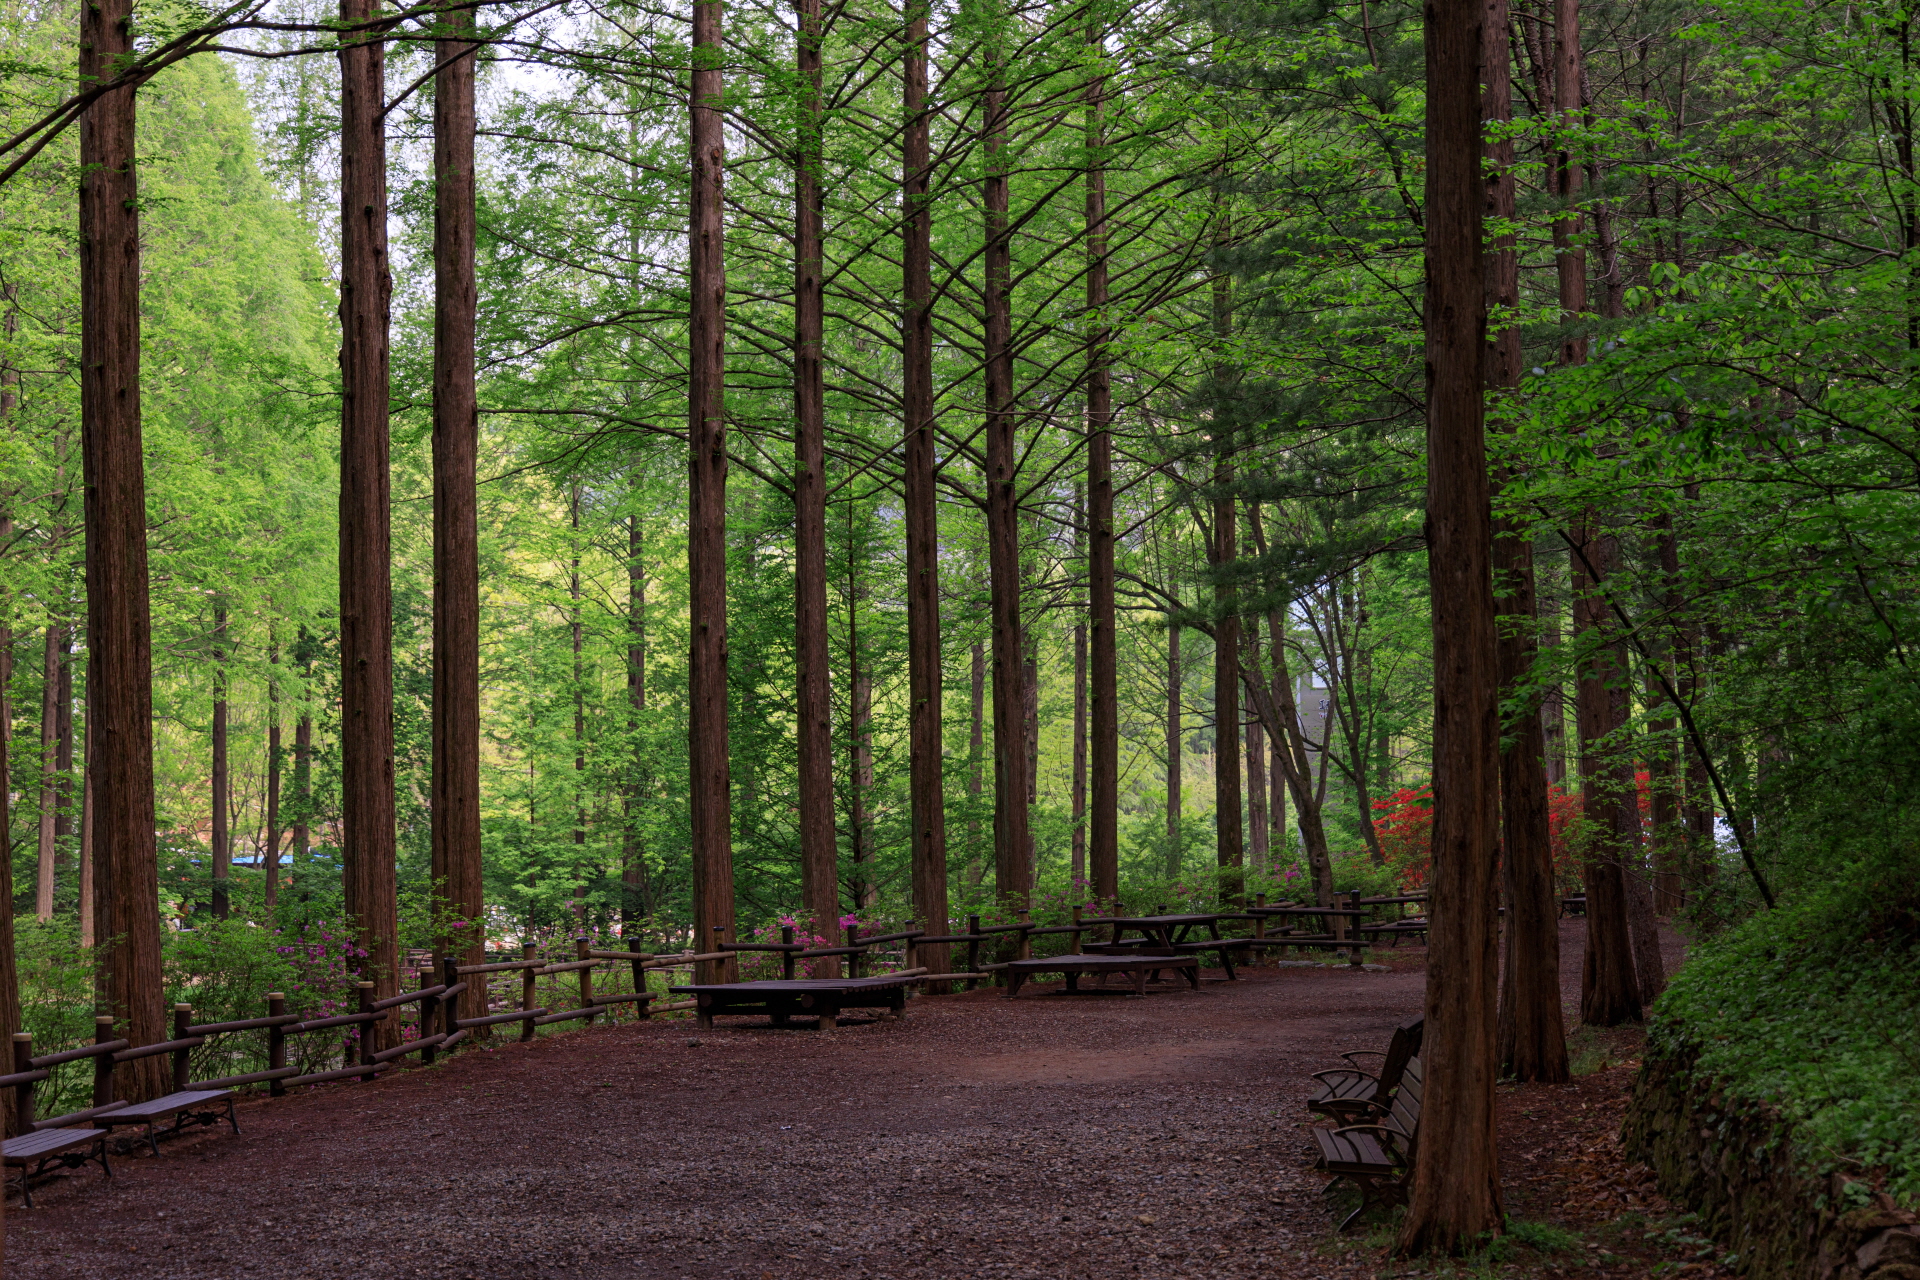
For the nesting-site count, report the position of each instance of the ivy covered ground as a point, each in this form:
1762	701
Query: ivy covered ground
1813	1009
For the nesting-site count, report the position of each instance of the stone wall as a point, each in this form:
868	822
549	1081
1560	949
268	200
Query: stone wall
1733	1163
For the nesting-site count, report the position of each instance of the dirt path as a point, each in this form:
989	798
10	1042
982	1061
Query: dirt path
1050	1136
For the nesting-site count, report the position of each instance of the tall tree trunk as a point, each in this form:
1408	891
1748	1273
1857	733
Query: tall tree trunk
1609	986
1079	798
455	786
1030	709
633	866
9	969
86	840
576	625
1532	1030
47	872
222	783
1103	853
128	976
1229	829
976	758
860	735
366	591
1175	735
1279	848
1280	713
710	801
270	847
64	810
1012	842
1258	852
928	810
1455	1196
819	871
300	830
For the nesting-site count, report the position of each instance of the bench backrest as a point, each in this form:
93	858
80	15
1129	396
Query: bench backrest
1402	1049
1402	1123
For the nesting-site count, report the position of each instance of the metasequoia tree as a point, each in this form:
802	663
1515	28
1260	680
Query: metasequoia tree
222	789
127	926
1103	852
819	874
455	831
1609	987
366	594
1533	1042
710	805
1455	1196
1012	842
926	774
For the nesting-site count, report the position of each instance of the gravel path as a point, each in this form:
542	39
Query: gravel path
1049	1136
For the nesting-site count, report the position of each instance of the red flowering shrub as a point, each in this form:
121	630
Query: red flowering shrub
1404	828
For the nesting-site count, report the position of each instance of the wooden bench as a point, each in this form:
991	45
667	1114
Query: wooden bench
1350	1094
1223	947
1134	966
781	999
69	1148
1356	948
1376	1157
1398	929
197	1106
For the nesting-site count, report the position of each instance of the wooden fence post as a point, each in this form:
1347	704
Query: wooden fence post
529	993
103	1063
23	1093
182	1019
586	979
639	948
973	950
276	1042
1259	955
365	1040
786	957
428	1015
853	961
1023	949
1076	931
451	1005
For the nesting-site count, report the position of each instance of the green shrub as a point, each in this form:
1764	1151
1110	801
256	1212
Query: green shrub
1814	1010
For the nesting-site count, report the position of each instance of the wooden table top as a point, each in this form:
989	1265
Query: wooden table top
1308	911
801	984
1160	921
1082	960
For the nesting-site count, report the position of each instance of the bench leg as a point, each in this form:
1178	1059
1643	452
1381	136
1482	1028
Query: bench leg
26	1185
1073	981
1015	981
1226	962
1140	983
703	1019
100	1154
829	1019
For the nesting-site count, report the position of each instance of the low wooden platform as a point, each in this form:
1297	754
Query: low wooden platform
782	999
1133	965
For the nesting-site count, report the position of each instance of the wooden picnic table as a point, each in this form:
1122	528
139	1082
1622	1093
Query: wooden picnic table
781	999
1136	967
1169	935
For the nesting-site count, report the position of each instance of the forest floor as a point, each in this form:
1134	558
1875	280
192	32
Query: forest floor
1050	1136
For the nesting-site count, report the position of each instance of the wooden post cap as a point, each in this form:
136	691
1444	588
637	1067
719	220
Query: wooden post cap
364	985
276	995
23	1037
102	1019
183	1008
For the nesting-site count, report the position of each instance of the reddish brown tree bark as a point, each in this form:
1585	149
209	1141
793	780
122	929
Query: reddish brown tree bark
127	923
1229	828
270	845
366	591
1455	1196
1532	1030
819	856
1103	850
222	788
1012	842
455	836
709	798
1175	738
46	872
634	902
